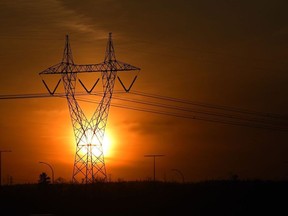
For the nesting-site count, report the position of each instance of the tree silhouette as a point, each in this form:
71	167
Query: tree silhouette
44	179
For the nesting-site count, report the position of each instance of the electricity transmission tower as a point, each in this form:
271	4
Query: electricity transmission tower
89	165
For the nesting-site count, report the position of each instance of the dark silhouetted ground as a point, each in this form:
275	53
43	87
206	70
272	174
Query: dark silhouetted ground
148	198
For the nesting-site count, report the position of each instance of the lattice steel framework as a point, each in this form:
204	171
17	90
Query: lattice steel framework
89	165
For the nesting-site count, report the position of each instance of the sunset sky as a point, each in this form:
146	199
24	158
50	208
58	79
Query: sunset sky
231	53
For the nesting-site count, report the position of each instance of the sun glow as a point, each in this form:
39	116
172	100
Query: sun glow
91	143
108	145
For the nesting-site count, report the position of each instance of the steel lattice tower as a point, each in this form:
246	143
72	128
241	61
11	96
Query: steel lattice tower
89	165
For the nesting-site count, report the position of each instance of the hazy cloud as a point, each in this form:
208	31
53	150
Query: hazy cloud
41	18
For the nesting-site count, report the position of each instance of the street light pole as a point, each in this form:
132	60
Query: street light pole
154	156
50	168
1	164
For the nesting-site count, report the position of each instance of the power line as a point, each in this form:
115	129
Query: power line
195	117
267	120
207	105
192	110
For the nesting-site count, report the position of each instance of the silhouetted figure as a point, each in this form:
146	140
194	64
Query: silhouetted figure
44	179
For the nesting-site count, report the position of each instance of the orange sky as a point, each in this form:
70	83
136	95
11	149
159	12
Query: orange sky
231	53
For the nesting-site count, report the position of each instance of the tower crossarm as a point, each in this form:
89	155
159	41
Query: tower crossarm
61	68
115	65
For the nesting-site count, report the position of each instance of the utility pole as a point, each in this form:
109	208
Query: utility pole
154	163
1	151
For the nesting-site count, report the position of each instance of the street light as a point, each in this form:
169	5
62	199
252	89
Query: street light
50	168
179	172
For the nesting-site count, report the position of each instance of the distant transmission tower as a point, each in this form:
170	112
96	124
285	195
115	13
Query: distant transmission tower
89	165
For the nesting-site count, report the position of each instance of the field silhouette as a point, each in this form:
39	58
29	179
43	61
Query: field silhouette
221	197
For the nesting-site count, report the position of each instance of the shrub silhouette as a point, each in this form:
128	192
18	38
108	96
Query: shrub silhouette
44	179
